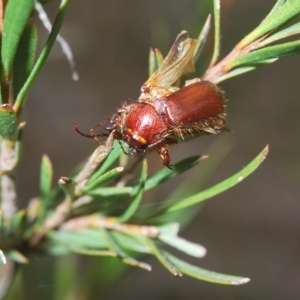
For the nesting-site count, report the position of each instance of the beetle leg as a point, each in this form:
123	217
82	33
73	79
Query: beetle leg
98	126
170	141
164	154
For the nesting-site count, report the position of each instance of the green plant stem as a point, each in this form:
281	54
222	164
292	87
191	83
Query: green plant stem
217	44
43	56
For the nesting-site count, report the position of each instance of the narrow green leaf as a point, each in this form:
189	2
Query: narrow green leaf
183	245
17	222
160	255
292	30
169	229
24	58
138	197
193	184
113	246
152	65
267	53
166	174
280	15
159	58
131	242
46	175
98	157
113	156
202	38
84	238
84	242
44	54
155	60
17	256
241	70
222	186
205	275
217	40
90	252
278	4
235	72
8	122
110	191
17	12
102	180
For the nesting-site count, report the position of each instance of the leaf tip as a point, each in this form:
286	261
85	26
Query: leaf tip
120	169
265	153
240	281
201	251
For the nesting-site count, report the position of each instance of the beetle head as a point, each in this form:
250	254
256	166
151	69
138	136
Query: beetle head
135	142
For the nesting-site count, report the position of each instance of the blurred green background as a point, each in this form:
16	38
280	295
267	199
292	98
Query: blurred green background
252	230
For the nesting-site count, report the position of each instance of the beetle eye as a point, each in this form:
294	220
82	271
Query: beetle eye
134	141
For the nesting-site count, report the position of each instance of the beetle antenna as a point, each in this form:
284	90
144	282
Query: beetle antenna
92	134
82	133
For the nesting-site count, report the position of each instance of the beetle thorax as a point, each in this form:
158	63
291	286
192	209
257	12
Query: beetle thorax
142	126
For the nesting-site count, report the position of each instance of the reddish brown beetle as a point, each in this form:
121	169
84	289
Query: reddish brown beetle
164	111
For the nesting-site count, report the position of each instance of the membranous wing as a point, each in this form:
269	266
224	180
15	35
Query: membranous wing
179	61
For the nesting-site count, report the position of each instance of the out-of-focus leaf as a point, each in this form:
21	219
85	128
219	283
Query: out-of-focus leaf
205	275
89	252
17	222
183	245
2	258
135	243
114	246
46	175
24	57
160	255
92	238
65	276
15	17
84	238
159	58
17	256
169	229
155	60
